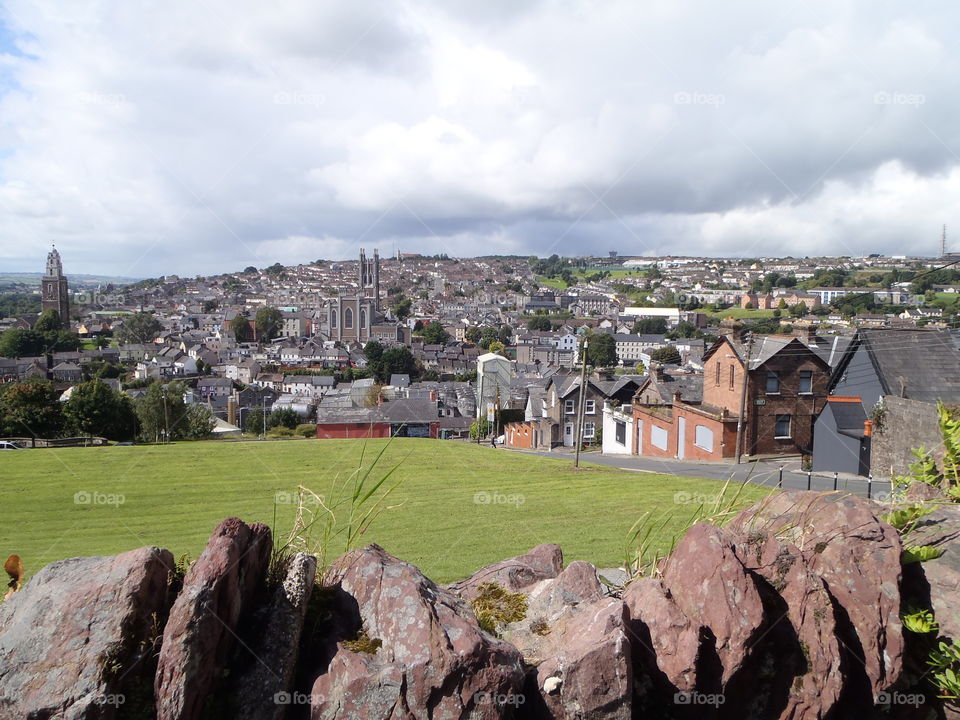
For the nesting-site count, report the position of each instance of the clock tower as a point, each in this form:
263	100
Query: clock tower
53	288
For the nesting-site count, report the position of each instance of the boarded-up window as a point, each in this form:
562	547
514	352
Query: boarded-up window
658	437
704	438
621	432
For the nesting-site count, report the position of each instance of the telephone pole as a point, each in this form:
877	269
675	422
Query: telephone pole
743	397
581	404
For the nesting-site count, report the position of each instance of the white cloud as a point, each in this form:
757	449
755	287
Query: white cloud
191	138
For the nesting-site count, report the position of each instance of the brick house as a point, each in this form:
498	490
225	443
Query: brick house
786	389
696	417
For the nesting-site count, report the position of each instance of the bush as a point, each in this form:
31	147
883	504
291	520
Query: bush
308	430
280	431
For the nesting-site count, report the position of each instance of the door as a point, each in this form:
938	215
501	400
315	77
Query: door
681	436
568	434
638	445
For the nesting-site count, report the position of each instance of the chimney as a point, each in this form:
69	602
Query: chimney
676	398
433	396
232	411
657	369
868	428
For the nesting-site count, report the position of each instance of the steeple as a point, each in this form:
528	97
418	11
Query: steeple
54	265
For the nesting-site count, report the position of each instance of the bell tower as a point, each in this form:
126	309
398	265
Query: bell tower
54	294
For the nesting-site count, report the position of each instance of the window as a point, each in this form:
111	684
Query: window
718	375
658	437
348	319
806	382
782	429
773	384
589	430
591	407
732	372
704	438
621	432
333	317
568	406
363	318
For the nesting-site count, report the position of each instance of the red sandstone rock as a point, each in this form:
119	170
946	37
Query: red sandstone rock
201	631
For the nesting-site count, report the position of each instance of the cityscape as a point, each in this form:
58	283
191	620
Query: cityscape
483	361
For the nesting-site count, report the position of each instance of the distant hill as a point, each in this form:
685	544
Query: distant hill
10	279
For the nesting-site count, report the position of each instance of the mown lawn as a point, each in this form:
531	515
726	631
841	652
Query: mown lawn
742	313
457	508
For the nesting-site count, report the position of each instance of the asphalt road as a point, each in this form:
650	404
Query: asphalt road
761	472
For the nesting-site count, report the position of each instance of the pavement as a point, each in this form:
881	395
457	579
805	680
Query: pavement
770	472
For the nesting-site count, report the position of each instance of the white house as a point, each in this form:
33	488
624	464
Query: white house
618	432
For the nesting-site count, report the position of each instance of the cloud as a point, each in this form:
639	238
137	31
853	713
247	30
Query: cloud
184	138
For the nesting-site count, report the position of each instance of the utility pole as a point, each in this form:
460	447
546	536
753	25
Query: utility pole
481	410
581	404
263	415
166	418
743	397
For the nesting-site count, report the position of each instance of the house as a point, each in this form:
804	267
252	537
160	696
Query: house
208	387
618	430
841	438
898	375
771	388
67	372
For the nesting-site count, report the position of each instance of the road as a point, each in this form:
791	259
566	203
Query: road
762	473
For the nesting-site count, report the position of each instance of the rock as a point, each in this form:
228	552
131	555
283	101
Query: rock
258	690
799	657
77	641
920	492
941	529
667	642
547	602
587	672
710	585
201	631
858	558
515	574
418	652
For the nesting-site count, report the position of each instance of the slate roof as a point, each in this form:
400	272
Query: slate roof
849	417
927	362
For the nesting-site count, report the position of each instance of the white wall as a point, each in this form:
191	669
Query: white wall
610	445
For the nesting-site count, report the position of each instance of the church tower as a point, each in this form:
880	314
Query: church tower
53	289
370	278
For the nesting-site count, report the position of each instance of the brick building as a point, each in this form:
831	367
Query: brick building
696	417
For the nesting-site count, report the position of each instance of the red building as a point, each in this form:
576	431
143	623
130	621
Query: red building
404	417
696	417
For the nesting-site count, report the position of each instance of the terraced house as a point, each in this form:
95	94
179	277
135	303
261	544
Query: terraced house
778	384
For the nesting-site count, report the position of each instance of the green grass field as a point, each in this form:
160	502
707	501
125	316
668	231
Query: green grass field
457	508
742	313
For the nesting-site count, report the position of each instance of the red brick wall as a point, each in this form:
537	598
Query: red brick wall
353	430
722	395
519	435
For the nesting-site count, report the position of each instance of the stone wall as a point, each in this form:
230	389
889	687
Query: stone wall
908	424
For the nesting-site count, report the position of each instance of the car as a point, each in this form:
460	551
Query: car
5	445
122	444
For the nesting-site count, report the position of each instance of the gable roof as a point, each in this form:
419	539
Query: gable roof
916	363
764	348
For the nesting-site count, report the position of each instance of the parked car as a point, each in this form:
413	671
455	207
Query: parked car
4	445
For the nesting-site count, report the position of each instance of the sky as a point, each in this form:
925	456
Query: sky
201	137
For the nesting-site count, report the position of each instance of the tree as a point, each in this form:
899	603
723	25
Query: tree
249	269
395	361
268	322
650	326
799	310
434	334
160	409
198	422
401	307
139	328
287	417
539	322
497	347
668	355
505	334
31	407
602	350
253	422
94	408
49	321
240	327
373	351
472	334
